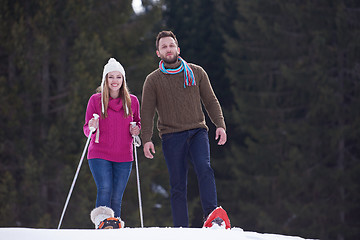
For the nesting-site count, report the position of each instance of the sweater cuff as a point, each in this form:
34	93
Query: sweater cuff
221	125
145	138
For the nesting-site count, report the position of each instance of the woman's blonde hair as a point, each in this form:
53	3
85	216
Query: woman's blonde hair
124	95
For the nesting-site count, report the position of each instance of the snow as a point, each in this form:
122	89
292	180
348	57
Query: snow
138	233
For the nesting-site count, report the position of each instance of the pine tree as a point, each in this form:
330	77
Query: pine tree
291	74
52	56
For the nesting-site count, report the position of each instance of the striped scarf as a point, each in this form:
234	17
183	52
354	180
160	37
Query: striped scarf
189	78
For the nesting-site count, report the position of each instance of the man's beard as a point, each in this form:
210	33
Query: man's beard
171	60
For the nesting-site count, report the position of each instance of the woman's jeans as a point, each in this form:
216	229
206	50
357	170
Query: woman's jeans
178	148
110	179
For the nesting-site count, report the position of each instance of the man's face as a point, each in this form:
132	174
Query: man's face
168	50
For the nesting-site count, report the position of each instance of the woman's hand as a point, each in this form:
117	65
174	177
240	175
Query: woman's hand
134	130
93	123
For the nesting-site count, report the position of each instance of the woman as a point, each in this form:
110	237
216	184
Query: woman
110	152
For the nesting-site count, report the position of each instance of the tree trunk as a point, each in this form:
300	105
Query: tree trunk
45	97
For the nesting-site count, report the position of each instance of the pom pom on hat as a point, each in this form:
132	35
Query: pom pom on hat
111	66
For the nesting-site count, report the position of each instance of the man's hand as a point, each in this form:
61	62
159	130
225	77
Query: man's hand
220	132
147	147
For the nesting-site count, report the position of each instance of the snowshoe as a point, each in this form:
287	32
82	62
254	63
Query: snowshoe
217	218
103	218
218	222
110	223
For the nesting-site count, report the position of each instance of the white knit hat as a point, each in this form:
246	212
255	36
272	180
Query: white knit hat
111	66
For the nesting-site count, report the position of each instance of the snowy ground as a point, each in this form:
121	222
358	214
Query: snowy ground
137	233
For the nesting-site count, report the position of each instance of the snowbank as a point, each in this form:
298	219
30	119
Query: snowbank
137	233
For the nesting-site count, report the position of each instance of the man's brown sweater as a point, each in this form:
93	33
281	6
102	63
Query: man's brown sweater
178	108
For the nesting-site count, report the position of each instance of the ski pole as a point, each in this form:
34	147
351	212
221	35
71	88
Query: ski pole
137	144
92	129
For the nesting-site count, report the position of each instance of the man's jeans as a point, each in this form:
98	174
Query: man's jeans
178	148
111	179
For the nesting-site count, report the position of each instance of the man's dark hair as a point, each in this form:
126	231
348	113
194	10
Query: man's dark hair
165	34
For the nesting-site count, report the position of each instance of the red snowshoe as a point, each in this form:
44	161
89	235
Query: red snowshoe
217	218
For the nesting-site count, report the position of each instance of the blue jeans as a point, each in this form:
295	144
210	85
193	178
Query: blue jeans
178	148
110	179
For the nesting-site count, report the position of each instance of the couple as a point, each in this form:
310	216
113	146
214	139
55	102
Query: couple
175	91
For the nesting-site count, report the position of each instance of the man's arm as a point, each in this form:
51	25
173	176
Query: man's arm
210	101
148	105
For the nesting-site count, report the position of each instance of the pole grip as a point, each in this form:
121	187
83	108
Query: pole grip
96	116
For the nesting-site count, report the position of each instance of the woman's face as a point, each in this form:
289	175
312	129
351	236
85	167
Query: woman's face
115	81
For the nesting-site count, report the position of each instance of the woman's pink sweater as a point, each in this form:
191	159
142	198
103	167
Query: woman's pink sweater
115	140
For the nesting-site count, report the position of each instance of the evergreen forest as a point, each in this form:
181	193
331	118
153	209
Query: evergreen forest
286	73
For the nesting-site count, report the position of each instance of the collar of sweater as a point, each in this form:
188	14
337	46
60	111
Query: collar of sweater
115	104
172	65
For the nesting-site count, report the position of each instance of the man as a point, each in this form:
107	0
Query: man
175	91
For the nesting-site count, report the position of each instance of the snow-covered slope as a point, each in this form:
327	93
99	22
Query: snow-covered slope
137	233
